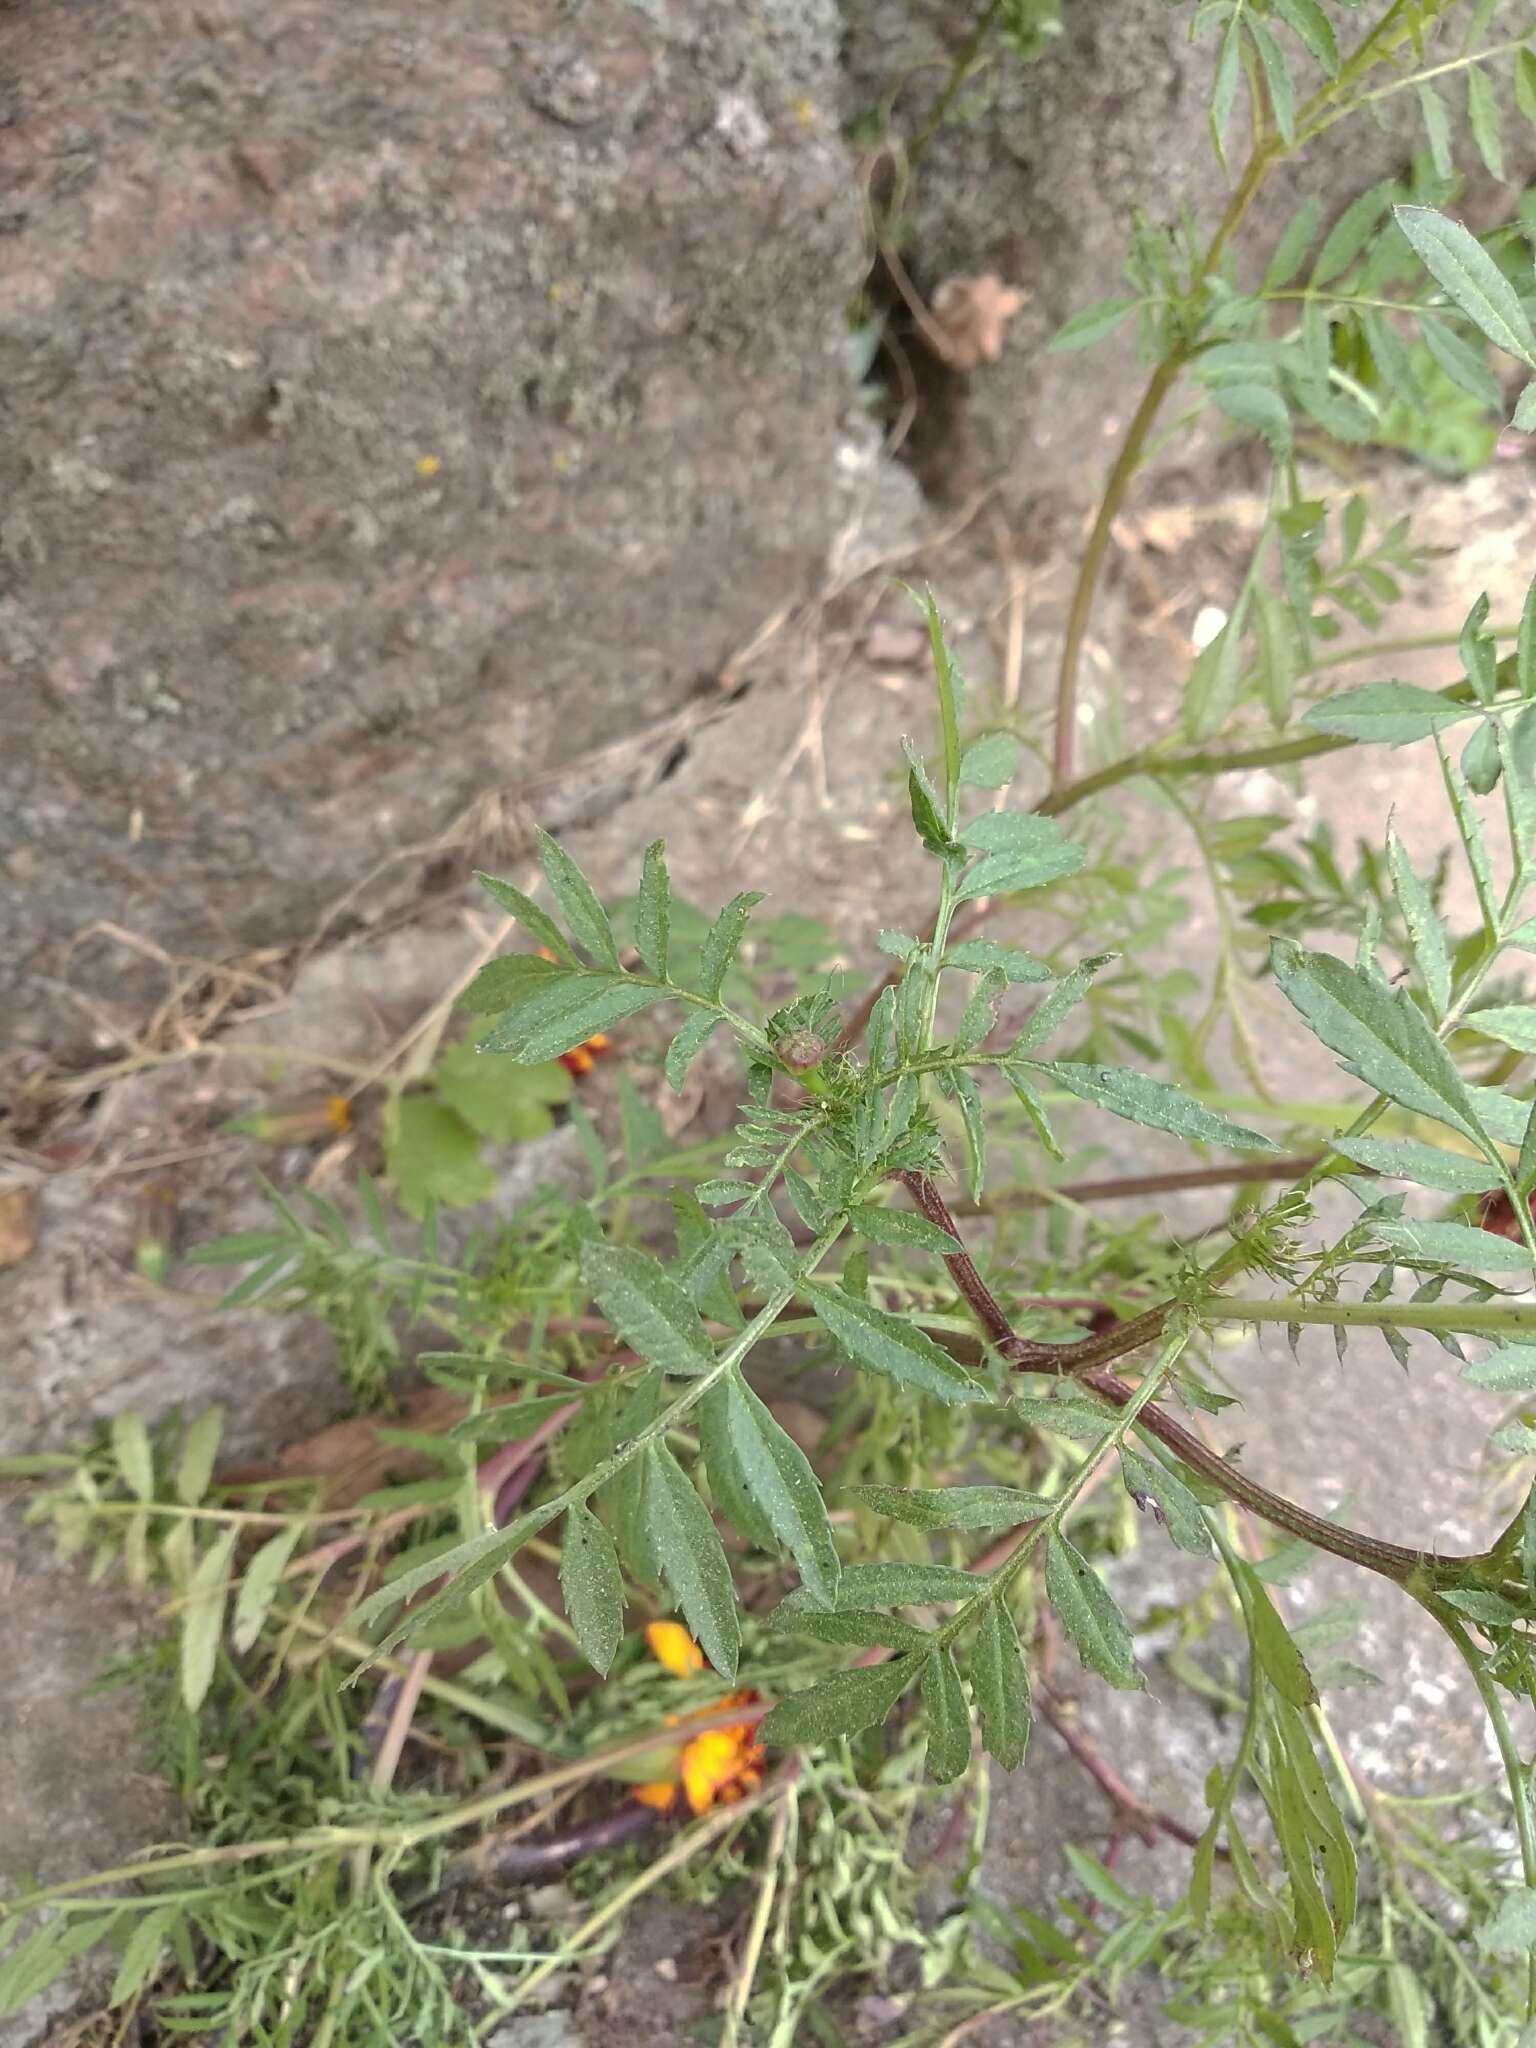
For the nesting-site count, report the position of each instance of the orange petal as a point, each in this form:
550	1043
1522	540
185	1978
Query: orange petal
710	1763
674	1649
659	1795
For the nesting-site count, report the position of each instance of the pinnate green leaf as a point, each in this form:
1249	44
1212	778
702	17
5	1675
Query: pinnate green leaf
1464	270
686	1545
1274	1650
1378	1034
779	1477
1509	1370
585	917
954	1507
990	762
1452	1244
1019	851
891	1346
1157	1104
1391	713
648	1308
841	1705
901	1227
981	956
538	924
566	1009
949	1718
259	1584
1426	932
688	1044
1177	1508
1092	324
653	909
1427	1166
593	1587
1090	1616
202	1618
135	1457
1512	1929
722	940
1000	1686
1512	1024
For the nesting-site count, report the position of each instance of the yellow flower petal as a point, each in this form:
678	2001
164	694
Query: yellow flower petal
674	1649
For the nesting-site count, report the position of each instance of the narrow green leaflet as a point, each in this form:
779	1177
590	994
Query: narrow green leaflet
890	1346
901	1227
1465	271
1511	1024
1312	29
1000	1686
1274	1651
538	924
1509	1370
1296	239
585	917
855	1628
1452	1244
648	1308
653	909
1018	851
990	762
1465	365
135	1458
1512	1929
258	1586
1349	234
721	941
1213	679
840	1705
1056	1003
502	983
1427	1166
1157	1104
1092	324
1012	962
1176	1507
202	1618
974	1124
688	1044
953	1507
567	1009
593	1587
897	1584
199	1450
1426	932
1089	1615
464	1570
1483	119
778	1475
141	1952
1390	713
687	1547
949	1718
1378	1034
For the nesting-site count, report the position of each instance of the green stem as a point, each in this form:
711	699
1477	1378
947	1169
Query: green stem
1470	1319
1509	1755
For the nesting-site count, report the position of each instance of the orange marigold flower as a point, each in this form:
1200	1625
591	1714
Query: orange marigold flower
720	1766
674	1649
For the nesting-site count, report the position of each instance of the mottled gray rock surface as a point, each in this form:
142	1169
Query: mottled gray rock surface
393	404
1040	169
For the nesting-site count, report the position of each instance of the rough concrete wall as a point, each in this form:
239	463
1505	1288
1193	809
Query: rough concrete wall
1041	167
395	401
